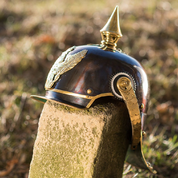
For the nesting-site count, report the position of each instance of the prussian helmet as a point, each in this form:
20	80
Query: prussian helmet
83	74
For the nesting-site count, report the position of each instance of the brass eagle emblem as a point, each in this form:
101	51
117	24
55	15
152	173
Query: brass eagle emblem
63	64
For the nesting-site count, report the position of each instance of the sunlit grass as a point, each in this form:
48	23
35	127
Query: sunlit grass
33	35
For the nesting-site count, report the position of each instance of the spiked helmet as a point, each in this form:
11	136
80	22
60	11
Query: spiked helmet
83	74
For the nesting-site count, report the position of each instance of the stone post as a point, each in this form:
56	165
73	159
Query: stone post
73	143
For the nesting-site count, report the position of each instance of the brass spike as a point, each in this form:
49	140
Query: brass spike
111	32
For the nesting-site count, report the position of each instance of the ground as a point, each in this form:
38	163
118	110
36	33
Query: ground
32	36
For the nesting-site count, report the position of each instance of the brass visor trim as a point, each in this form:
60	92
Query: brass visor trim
91	98
125	87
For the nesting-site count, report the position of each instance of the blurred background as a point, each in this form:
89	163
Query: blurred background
32	36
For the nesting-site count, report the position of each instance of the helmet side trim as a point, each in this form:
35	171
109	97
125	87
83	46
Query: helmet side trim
43	99
91	98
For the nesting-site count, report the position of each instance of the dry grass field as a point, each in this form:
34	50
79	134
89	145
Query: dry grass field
32	36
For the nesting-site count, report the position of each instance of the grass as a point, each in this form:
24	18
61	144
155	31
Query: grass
34	33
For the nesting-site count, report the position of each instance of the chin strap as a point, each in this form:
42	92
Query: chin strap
125	87
134	153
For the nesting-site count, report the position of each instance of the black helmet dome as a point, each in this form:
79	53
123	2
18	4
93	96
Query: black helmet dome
94	76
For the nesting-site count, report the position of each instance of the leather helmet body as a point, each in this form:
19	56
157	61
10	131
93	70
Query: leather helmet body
95	76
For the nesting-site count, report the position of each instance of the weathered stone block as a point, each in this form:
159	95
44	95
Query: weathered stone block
73	143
